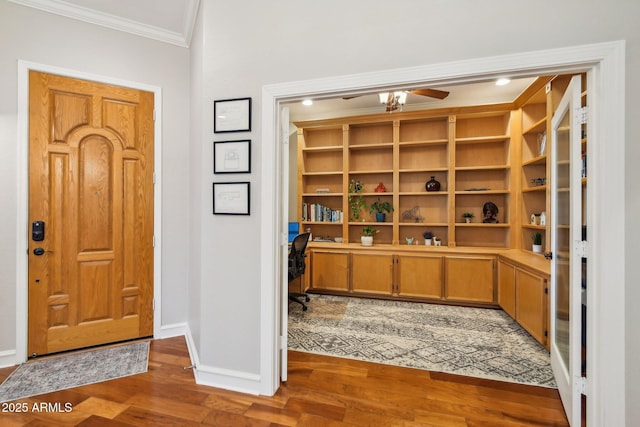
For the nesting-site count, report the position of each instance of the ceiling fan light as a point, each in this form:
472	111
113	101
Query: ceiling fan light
401	97
383	97
503	81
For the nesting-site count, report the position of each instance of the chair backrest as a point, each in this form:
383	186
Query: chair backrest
297	255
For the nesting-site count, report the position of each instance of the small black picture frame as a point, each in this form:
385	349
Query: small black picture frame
232	156
231	198
232	115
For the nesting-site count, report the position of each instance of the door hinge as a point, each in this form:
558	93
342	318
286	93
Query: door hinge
153	241
153	304
581	115
581	384
154	178
581	248
154	114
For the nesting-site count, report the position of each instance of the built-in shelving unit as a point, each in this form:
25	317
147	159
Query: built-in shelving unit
468	153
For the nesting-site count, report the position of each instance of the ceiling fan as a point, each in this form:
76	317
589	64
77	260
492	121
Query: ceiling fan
395	100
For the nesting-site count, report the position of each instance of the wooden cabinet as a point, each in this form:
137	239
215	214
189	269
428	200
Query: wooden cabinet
524	296
372	273
419	276
469	278
531	304
507	288
329	270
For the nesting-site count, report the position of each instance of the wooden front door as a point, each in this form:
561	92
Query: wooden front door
91	185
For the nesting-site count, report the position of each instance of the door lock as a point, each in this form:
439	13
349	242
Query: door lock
37	231
39	251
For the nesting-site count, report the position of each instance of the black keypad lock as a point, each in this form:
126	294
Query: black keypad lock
37	231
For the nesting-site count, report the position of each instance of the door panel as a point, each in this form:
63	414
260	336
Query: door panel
91	183
566	206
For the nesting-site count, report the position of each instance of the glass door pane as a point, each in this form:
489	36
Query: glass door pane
566	266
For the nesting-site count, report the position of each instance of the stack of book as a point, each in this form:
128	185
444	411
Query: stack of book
316	212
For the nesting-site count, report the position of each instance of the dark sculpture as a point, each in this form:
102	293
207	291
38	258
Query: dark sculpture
490	212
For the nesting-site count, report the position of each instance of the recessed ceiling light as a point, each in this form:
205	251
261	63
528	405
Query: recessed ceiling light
307	102
503	81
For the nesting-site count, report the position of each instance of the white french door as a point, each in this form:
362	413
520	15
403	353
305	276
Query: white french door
567	251
283	137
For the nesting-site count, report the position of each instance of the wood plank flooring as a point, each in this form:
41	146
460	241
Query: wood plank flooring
320	391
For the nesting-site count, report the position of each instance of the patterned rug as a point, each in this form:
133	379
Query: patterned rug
474	342
74	370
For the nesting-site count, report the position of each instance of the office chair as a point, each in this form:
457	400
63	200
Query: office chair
297	266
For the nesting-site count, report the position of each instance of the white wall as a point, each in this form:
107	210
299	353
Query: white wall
39	37
248	44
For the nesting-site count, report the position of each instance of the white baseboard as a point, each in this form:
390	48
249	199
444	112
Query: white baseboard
227	379
8	358
170	331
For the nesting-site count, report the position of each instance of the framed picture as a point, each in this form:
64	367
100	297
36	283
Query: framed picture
232	115
231	198
232	156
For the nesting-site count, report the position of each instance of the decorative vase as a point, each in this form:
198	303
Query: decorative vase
366	240
381	217
432	184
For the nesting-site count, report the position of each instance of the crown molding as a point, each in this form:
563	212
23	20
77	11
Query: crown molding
59	7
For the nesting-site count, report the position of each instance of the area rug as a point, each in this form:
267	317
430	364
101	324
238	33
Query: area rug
475	342
74	370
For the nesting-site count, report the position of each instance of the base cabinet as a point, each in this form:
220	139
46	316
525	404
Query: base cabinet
524	296
372	273
469	279
329	270
419	276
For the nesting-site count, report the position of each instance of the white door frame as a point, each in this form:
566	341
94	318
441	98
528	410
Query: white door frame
605	63
22	229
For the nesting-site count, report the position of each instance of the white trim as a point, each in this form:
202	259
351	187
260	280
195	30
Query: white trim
8	358
22	229
92	16
170	331
606	350
228	379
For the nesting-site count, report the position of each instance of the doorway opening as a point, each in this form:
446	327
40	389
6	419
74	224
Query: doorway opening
608	96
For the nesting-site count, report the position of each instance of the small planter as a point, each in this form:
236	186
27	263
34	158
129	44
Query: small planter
427	242
537	249
467	220
381	217
366	240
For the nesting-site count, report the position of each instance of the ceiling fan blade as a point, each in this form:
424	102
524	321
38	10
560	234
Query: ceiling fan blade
432	93
351	97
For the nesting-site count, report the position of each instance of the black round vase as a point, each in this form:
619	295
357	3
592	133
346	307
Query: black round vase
432	184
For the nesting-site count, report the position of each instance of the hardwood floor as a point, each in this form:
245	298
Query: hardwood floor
321	391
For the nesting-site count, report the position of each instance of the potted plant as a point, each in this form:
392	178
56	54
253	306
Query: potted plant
428	235
379	207
367	235
467	216
536	239
356	201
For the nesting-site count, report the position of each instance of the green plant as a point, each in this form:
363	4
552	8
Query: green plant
356	201
380	207
468	215
428	235
369	231
536	238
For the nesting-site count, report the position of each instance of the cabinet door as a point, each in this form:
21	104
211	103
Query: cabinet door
469	279
531	304
372	273
507	288
330	270
419	276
